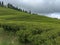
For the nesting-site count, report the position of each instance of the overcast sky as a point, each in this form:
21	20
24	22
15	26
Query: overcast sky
37	6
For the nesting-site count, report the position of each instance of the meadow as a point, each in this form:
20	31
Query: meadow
20	28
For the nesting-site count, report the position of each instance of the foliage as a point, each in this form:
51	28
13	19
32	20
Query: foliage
20	28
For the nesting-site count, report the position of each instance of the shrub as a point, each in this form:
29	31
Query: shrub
37	39
12	28
22	27
23	36
58	33
36	31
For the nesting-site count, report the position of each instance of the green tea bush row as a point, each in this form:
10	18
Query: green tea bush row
31	34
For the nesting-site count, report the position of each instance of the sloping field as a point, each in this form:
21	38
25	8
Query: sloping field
19	28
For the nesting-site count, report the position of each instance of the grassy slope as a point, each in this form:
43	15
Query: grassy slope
10	16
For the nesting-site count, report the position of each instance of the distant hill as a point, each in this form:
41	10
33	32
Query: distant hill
20	28
11	14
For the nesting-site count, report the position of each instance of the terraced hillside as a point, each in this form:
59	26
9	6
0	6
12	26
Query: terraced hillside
19	28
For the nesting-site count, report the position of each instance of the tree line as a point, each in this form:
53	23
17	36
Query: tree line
13	7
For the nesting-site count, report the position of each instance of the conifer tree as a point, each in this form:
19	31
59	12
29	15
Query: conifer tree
29	12
2	4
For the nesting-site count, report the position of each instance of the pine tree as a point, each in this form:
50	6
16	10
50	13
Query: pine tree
13	7
8	5
29	12
2	4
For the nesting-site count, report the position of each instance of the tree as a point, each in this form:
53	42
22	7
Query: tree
29	12
8	5
20	10
13	7
2	4
25	11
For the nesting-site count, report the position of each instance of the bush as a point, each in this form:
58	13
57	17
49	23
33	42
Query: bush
23	36
27	36
36	39
12	28
36	31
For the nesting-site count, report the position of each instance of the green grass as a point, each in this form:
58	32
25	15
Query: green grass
30	29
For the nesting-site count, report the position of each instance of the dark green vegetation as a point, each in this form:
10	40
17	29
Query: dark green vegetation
19	28
11	6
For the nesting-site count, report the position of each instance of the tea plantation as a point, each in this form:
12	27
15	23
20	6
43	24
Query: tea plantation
19	28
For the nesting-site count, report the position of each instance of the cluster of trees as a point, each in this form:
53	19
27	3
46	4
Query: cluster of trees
13	7
1	4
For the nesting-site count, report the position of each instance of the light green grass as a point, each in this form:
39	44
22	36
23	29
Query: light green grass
29	24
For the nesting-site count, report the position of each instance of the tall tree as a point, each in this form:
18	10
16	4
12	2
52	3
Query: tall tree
2	4
8	5
29	12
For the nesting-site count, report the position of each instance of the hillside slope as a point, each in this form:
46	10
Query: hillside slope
10	14
19	28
